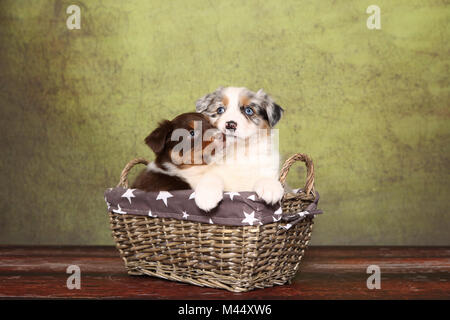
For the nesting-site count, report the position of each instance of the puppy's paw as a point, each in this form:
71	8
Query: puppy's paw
208	194
269	189
208	198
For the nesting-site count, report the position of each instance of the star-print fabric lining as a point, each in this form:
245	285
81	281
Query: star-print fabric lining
236	208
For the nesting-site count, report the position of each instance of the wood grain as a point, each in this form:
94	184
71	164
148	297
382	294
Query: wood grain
325	273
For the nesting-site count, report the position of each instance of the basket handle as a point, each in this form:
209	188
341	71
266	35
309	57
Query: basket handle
123	182
309	186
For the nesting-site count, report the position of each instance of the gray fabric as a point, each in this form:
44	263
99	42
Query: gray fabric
236	209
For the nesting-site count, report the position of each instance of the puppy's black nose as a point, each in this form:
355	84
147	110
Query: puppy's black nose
231	125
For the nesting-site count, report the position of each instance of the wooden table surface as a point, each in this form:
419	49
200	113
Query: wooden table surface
325	273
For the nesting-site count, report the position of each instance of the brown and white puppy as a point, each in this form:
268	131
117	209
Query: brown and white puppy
252	163
183	147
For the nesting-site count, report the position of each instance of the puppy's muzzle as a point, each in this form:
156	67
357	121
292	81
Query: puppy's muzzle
231	125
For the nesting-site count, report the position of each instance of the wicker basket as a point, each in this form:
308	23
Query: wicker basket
235	258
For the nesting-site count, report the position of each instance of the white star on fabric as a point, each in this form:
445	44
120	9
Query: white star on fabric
249	218
192	196
107	203
129	194
252	197
120	211
232	194
303	213
150	214
287	227
276	219
185	215
163	195
210	221
279	211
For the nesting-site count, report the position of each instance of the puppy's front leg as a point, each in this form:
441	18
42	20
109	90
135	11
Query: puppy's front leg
269	189
209	192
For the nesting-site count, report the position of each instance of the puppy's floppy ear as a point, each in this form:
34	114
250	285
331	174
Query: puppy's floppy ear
274	113
157	139
273	110
202	104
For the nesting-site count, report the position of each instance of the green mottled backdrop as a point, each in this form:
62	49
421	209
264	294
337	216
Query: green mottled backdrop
370	106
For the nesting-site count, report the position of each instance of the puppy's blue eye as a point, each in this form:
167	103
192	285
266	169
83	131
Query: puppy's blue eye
220	110
248	111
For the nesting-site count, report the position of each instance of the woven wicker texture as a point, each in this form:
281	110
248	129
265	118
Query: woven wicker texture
235	258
